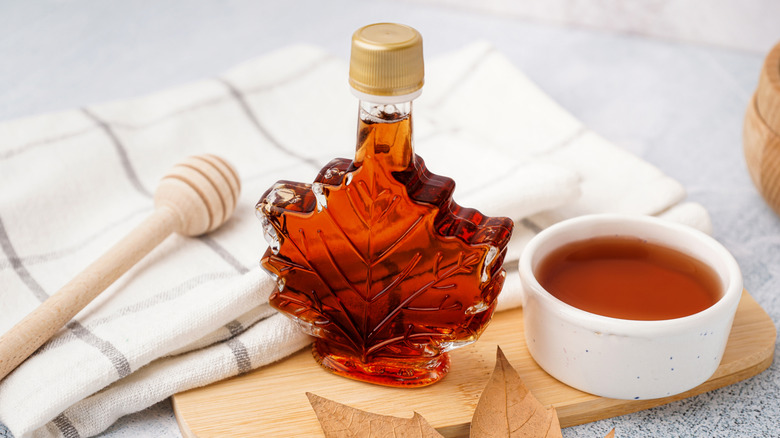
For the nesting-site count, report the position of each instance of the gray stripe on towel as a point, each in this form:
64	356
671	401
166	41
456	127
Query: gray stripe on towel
65	426
44	141
136	182
226	256
166	295
240	353
235	328
35	259
303	71
531	225
116	357
262	129
16	263
238	348
121	151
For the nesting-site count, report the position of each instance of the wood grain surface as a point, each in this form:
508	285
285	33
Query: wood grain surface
768	91
271	401
761	146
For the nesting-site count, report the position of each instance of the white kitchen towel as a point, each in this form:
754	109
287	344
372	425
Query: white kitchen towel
194	311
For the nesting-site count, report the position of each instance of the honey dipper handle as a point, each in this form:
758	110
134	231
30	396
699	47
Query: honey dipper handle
43	322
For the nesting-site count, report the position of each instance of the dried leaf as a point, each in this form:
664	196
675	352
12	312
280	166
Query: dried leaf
611	434
508	409
342	421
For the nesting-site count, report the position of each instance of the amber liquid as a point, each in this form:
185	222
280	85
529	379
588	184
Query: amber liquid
629	279
379	263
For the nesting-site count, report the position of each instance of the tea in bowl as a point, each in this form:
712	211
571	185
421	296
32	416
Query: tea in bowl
628	307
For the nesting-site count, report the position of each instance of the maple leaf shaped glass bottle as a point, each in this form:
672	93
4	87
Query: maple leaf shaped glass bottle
374	258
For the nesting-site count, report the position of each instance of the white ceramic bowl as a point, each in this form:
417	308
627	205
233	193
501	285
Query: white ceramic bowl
628	359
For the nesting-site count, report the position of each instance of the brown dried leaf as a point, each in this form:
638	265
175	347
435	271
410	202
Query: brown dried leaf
342	421
508	409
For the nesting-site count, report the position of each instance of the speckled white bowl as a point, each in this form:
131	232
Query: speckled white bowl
628	359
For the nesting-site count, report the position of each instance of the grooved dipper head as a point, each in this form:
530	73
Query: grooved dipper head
202	190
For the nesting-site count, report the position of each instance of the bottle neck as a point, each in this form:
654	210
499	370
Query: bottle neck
383	112
385	134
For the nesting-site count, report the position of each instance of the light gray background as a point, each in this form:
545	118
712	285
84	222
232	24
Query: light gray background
676	101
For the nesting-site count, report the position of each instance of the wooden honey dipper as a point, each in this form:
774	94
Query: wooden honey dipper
195	197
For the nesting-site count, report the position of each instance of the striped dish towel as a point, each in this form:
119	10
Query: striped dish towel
194	310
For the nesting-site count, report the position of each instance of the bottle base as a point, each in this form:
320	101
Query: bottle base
383	371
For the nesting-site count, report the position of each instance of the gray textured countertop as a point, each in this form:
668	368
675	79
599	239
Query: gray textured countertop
677	105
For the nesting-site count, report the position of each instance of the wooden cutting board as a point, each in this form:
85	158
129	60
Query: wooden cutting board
271	401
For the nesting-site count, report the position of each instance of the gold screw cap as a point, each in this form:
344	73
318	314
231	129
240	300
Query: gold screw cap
386	60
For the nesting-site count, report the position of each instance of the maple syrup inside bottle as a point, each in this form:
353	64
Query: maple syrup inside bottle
388	301
375	259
